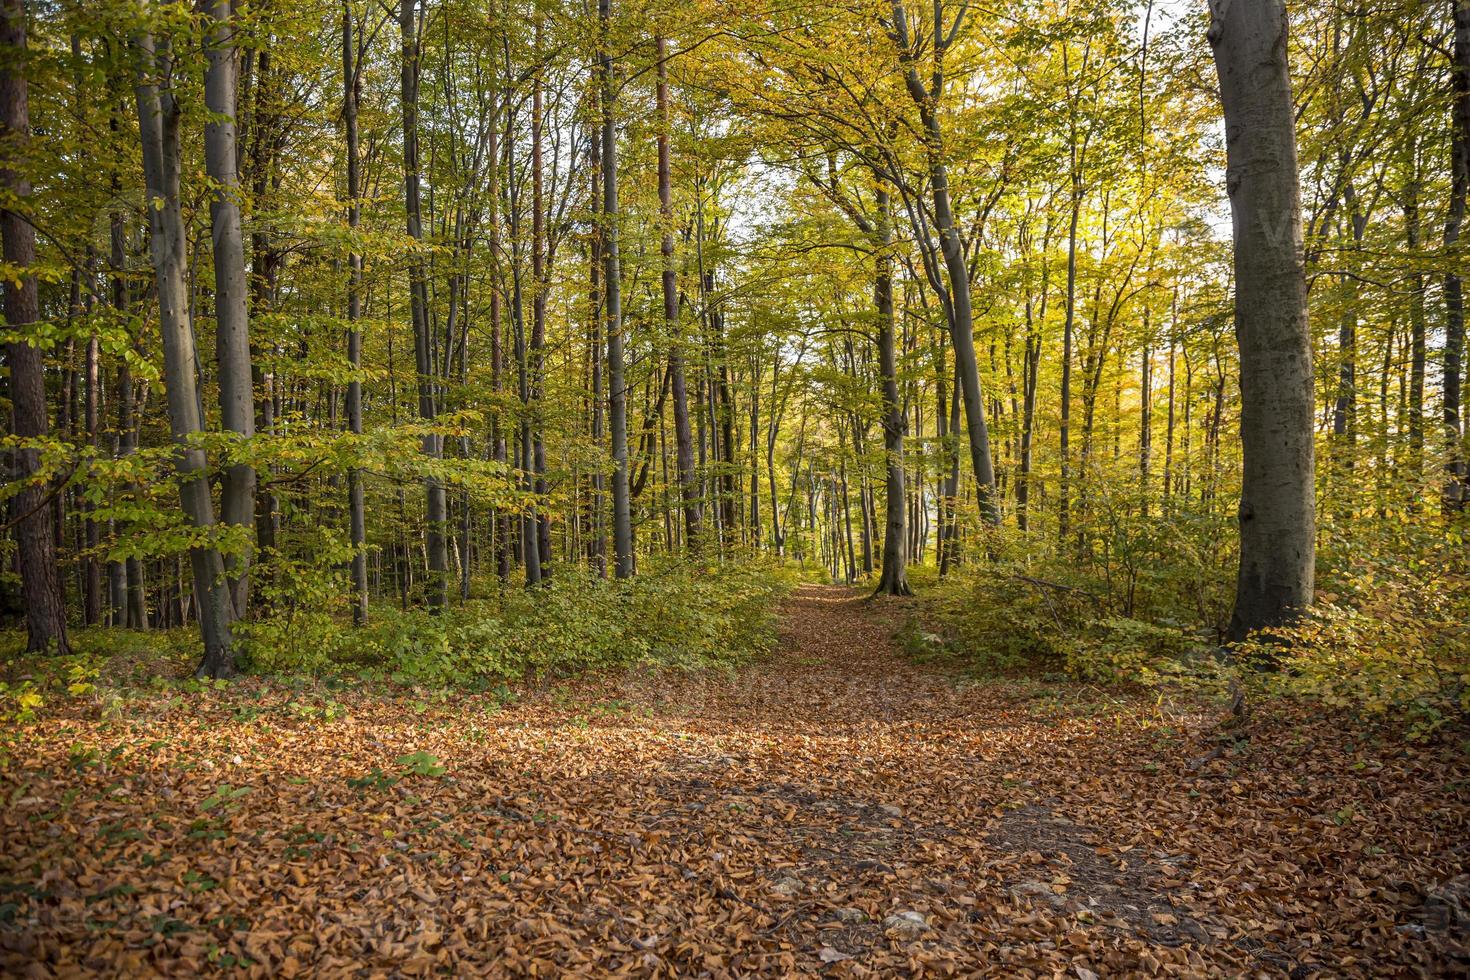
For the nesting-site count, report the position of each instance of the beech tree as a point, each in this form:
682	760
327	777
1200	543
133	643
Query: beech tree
1277	503
45	612
158	126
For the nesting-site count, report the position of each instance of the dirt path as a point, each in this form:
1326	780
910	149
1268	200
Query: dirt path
833	809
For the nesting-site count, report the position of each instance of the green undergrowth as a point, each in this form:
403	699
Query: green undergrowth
672	615
1388	640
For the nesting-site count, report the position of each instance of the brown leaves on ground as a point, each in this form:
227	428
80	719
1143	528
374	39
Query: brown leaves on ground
833	810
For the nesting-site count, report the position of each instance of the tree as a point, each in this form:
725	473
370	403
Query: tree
356	499
684	440
232	325
1457	477
612	291
158	128
1277	506
956	298
437	509
30	507
894	577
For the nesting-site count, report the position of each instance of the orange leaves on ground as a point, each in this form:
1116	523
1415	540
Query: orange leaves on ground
832	810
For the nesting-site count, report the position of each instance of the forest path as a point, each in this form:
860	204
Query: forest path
831	808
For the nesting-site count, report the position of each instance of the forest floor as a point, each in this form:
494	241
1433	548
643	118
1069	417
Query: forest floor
831	809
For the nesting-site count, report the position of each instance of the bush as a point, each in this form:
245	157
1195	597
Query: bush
1146	602
669	615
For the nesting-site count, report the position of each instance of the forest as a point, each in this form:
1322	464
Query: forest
730	487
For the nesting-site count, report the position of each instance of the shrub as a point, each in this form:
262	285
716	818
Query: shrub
671	614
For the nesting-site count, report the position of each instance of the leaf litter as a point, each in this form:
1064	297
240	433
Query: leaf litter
830	810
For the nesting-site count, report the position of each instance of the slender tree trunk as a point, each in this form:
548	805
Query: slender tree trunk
436	504
538	318
689	490
530	550
1069	321
357	516
613	300
232	325
961	317
502	518
597	541
893	580
158	123
40	580
1277	515
1457	476
1145	420
1418	352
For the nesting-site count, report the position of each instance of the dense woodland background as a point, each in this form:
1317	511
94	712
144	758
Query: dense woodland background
451	297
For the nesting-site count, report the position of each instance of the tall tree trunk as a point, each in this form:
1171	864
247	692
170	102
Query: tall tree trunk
232	325
1457	476
613	301
357	516
502	519
689	491
597	539
1146	419
1069	330
436	504
530	550
40	580
158	124
1418	354
1277	516
538	317
893	580
960	314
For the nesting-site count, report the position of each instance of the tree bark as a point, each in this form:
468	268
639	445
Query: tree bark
1277	515
158	124
539	276
436	505
613	304
357	515
961	320
1457	473
232	325
893	579
40	579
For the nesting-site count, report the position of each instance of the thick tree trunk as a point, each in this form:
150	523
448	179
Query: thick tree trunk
158	122
232	326
1277	516
40	580
613	302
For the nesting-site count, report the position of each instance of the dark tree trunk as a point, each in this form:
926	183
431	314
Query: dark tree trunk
40	580
357	515
1457	476
613	302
